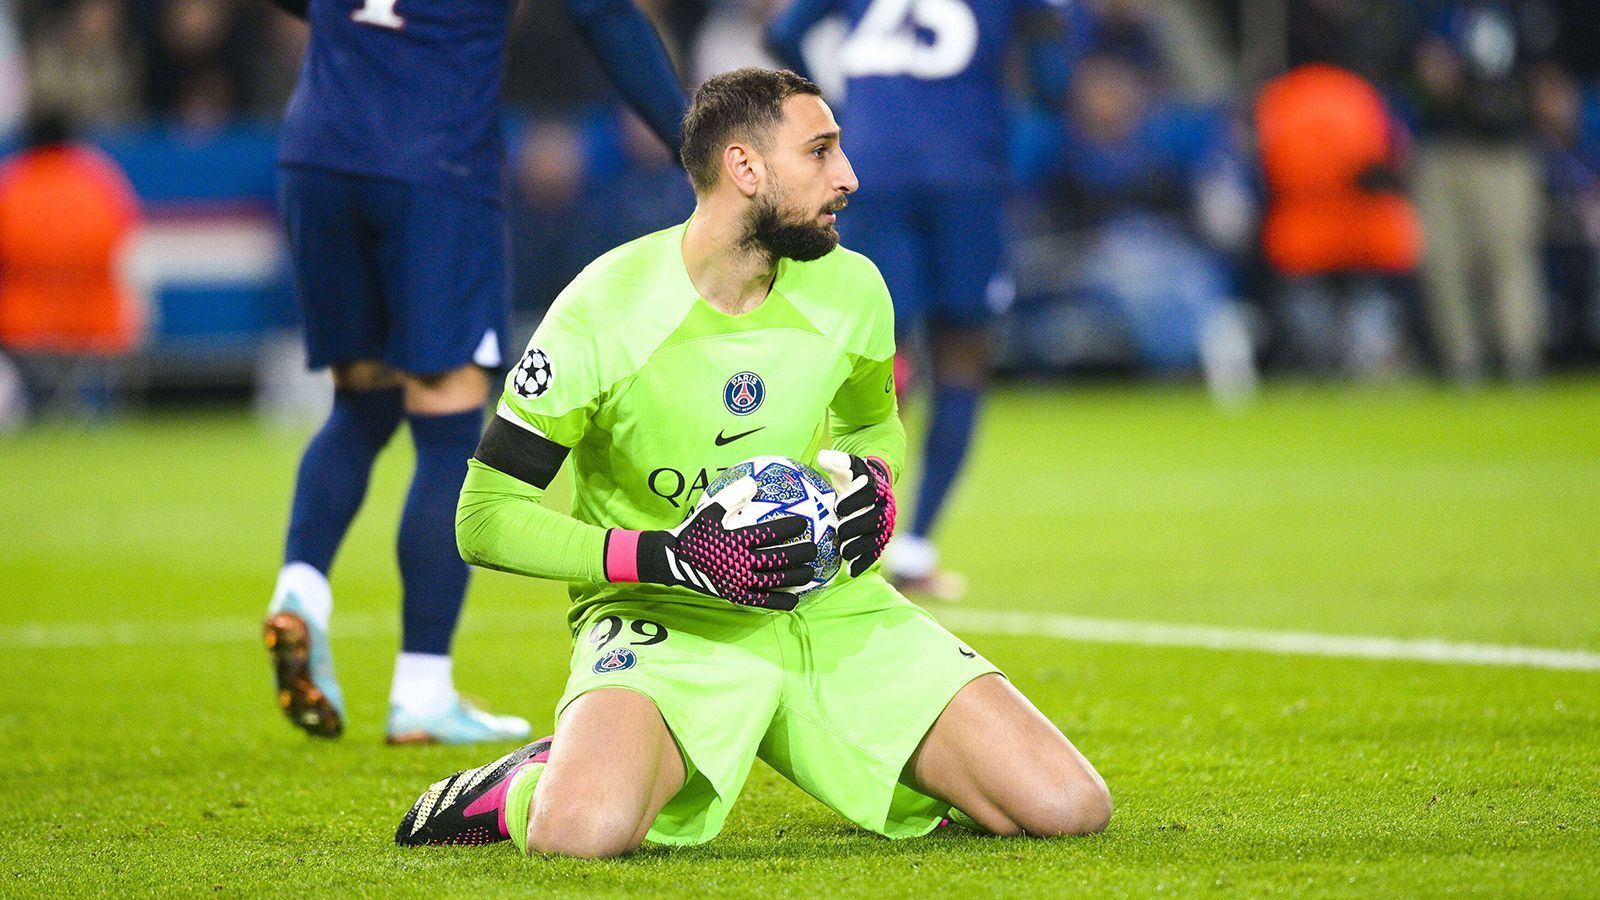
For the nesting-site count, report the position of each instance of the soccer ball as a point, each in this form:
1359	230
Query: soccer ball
788	487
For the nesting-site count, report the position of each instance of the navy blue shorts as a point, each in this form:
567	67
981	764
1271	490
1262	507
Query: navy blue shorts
385	270
941	251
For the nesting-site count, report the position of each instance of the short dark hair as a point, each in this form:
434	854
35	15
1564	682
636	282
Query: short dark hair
742	104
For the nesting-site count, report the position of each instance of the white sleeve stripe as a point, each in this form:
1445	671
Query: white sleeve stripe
504	412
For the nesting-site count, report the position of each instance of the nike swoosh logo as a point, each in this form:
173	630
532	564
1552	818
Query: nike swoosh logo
967	653
723	440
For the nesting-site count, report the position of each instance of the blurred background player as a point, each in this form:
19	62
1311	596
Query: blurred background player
934	217
1478	189
391	158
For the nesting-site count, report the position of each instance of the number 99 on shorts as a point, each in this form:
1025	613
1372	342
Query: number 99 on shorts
615	648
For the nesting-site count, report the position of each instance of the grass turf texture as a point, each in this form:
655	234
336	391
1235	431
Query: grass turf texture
157	763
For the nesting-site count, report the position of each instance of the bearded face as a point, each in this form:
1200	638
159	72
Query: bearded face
783	230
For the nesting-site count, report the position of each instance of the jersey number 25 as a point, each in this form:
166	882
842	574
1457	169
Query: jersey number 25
380	13
886	40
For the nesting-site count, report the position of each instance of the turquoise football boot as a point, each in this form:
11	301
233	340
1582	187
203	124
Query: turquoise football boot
302	660
462	723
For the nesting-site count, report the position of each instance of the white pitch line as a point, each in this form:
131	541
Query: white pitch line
131	633
1293	643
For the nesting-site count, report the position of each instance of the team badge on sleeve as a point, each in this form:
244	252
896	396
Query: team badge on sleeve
743	393
534	374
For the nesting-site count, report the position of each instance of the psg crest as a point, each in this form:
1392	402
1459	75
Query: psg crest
534	374
618	660
743	393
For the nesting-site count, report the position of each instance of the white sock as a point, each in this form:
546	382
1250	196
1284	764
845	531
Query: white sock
909	556
310	587
422	684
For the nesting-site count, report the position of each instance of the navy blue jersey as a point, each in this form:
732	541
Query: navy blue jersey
925	95
402	89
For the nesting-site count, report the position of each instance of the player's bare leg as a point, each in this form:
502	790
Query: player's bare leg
458	390
296	628
995	757
961	356
364	375
613	767
960	360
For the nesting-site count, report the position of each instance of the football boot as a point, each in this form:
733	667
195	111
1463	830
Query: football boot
462	723
468	808
302	662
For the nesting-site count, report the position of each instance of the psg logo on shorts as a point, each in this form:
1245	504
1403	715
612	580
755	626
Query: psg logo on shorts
620	659
534	374
743	393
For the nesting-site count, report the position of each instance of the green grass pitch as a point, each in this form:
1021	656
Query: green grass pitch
141	752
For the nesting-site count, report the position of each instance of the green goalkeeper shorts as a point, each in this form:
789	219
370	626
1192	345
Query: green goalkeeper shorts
835	696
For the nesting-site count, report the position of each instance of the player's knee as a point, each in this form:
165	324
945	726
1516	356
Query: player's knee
962	359
364	375
455	391
1076	805
590	831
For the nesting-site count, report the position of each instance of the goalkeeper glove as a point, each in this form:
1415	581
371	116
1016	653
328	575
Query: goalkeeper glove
748	565
866	506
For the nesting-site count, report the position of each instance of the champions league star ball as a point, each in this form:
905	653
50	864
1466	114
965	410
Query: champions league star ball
533	374
788	487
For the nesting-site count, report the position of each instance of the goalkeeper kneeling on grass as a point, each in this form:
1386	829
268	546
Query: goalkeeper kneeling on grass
745	331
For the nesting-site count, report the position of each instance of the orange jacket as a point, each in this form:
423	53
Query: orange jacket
1319	128
65	213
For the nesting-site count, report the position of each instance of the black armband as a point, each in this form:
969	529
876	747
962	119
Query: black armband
520	453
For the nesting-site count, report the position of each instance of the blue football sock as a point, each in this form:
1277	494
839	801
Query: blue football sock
431	571
334	470
955	411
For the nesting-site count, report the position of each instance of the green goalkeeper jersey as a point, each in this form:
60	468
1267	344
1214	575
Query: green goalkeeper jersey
655	391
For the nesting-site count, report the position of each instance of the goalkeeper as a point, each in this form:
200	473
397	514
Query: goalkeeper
743	332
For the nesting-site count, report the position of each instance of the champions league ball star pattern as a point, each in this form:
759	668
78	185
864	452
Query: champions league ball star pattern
788	487
534	374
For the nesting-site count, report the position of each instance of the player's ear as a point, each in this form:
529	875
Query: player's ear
743	168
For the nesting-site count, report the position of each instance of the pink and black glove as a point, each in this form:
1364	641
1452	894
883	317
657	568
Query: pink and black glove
866	506
749	565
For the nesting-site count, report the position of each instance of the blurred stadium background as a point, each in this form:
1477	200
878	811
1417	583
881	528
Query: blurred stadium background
1430	206
1388	210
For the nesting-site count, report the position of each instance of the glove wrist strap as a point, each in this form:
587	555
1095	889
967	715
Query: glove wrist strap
622	555
884	471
